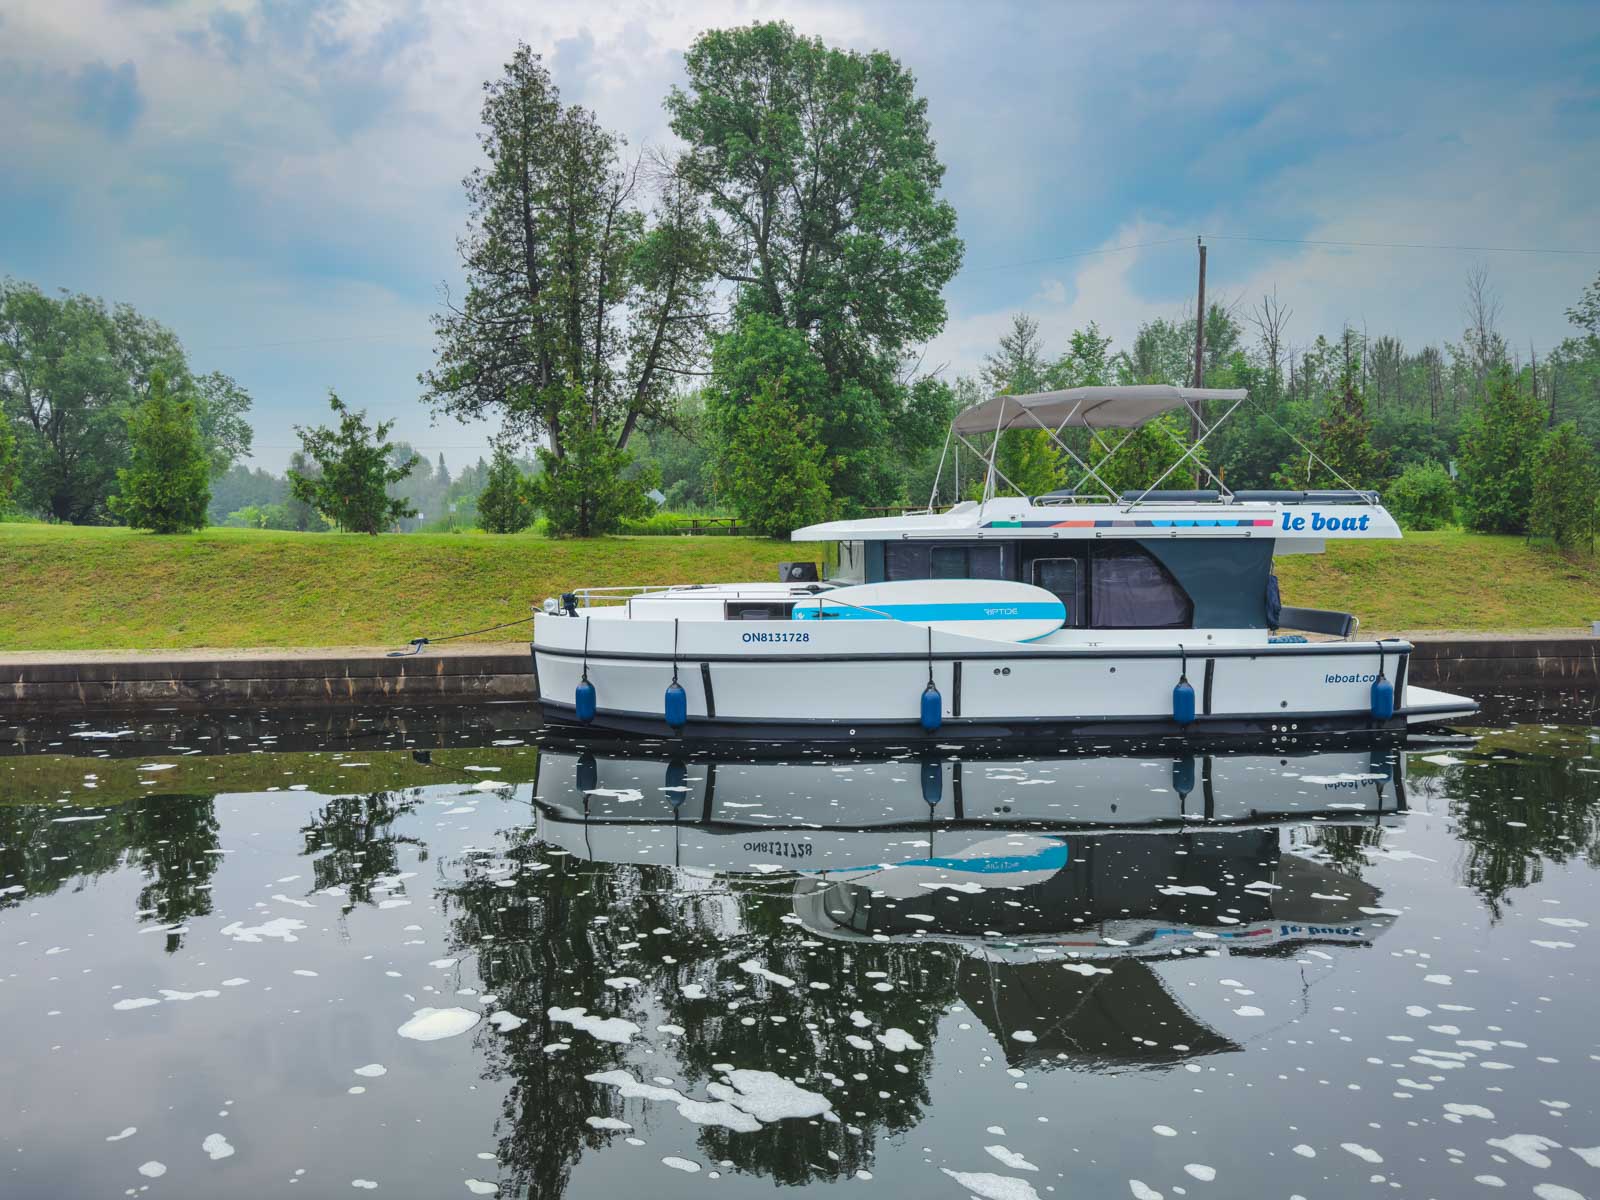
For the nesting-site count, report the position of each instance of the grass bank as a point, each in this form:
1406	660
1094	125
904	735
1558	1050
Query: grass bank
65	588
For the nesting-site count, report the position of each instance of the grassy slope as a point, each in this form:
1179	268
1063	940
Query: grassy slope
1455	581
64	588
70	588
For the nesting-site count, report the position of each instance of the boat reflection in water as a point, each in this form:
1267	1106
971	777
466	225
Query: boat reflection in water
1067	881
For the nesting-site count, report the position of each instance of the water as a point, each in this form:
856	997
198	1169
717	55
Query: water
429	955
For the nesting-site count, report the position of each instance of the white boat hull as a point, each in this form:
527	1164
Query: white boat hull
859	680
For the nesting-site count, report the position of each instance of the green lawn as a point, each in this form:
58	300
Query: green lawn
66	588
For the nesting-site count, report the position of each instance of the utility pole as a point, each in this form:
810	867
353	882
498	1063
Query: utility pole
1199	354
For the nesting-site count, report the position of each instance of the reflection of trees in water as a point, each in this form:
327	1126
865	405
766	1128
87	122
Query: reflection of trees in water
1344	847
355	843
168	838
552	940
1516	814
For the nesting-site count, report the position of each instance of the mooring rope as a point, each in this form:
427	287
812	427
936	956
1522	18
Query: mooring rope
418	643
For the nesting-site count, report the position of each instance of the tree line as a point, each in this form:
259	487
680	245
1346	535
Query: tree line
738	323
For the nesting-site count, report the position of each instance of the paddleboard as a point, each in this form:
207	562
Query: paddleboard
989	608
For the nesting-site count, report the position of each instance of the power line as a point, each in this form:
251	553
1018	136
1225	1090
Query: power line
1240	237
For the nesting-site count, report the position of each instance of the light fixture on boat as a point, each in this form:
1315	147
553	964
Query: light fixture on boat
551	606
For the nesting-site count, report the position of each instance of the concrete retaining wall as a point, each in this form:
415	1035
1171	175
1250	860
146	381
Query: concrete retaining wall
480	675
306	680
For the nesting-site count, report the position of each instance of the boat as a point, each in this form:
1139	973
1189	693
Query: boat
1087	613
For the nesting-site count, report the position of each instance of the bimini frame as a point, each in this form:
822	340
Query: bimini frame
1094	409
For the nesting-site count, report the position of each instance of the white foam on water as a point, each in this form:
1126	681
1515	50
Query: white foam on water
236	981
681	1164
1554	945
1469	1110
694	991
153	1169
1177	889
1142	1190
432	1024
1365	1153
1527	1147
463	809
1443	760
1489	1180
279	927
442	963
393	902
217	1146
993	1187
898	1040
1248	1010
207	994
1024	1035
1305	1151
610	1123
755	968
505	1022
1200	1171
1591	1155
1564	922
482	1187
768	1097
1009	1158
368	1184
859	1042
1554	1191
126	1133
137	1002
1164	1130
303	972
1441	980
372	1071
622	982
605	1029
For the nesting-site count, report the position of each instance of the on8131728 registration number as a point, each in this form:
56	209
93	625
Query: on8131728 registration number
785	636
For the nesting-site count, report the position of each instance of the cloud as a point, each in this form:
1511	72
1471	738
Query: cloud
285	176
108	97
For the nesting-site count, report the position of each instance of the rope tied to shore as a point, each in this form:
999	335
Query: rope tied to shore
417	644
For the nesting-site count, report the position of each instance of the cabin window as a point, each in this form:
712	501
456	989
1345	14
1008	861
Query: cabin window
844	562
922	560
757	610
1128	589
1061	577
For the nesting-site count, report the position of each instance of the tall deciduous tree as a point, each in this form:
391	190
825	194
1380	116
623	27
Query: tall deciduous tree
167	486
355	466
822	172
220	405
579	282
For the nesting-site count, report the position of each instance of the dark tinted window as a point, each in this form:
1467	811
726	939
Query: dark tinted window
920	560
1130	590
1060	575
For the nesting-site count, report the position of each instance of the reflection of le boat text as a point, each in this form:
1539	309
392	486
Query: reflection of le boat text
783	849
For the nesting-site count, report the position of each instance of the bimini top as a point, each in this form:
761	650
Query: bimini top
1097	407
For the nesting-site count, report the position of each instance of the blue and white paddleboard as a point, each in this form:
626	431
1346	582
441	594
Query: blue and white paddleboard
989	608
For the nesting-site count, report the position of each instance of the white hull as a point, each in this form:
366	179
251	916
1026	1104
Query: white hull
865	679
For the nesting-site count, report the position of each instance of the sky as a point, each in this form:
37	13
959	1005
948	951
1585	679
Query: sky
279	181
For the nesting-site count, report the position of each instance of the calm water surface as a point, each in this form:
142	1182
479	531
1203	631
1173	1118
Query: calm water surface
290	956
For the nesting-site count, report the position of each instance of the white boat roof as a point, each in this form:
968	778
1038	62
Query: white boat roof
1017	517
1089	407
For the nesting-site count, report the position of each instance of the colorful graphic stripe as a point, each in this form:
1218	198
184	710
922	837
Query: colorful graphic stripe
1225	522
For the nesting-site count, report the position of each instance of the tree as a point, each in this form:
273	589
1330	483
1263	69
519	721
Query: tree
504	505
1027	458
1585	314
1423	497
68	396
1496	456
354	468
821	171
8	464
220	406
770	467
167	486
1344	453
587	491
1565	483
575	288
